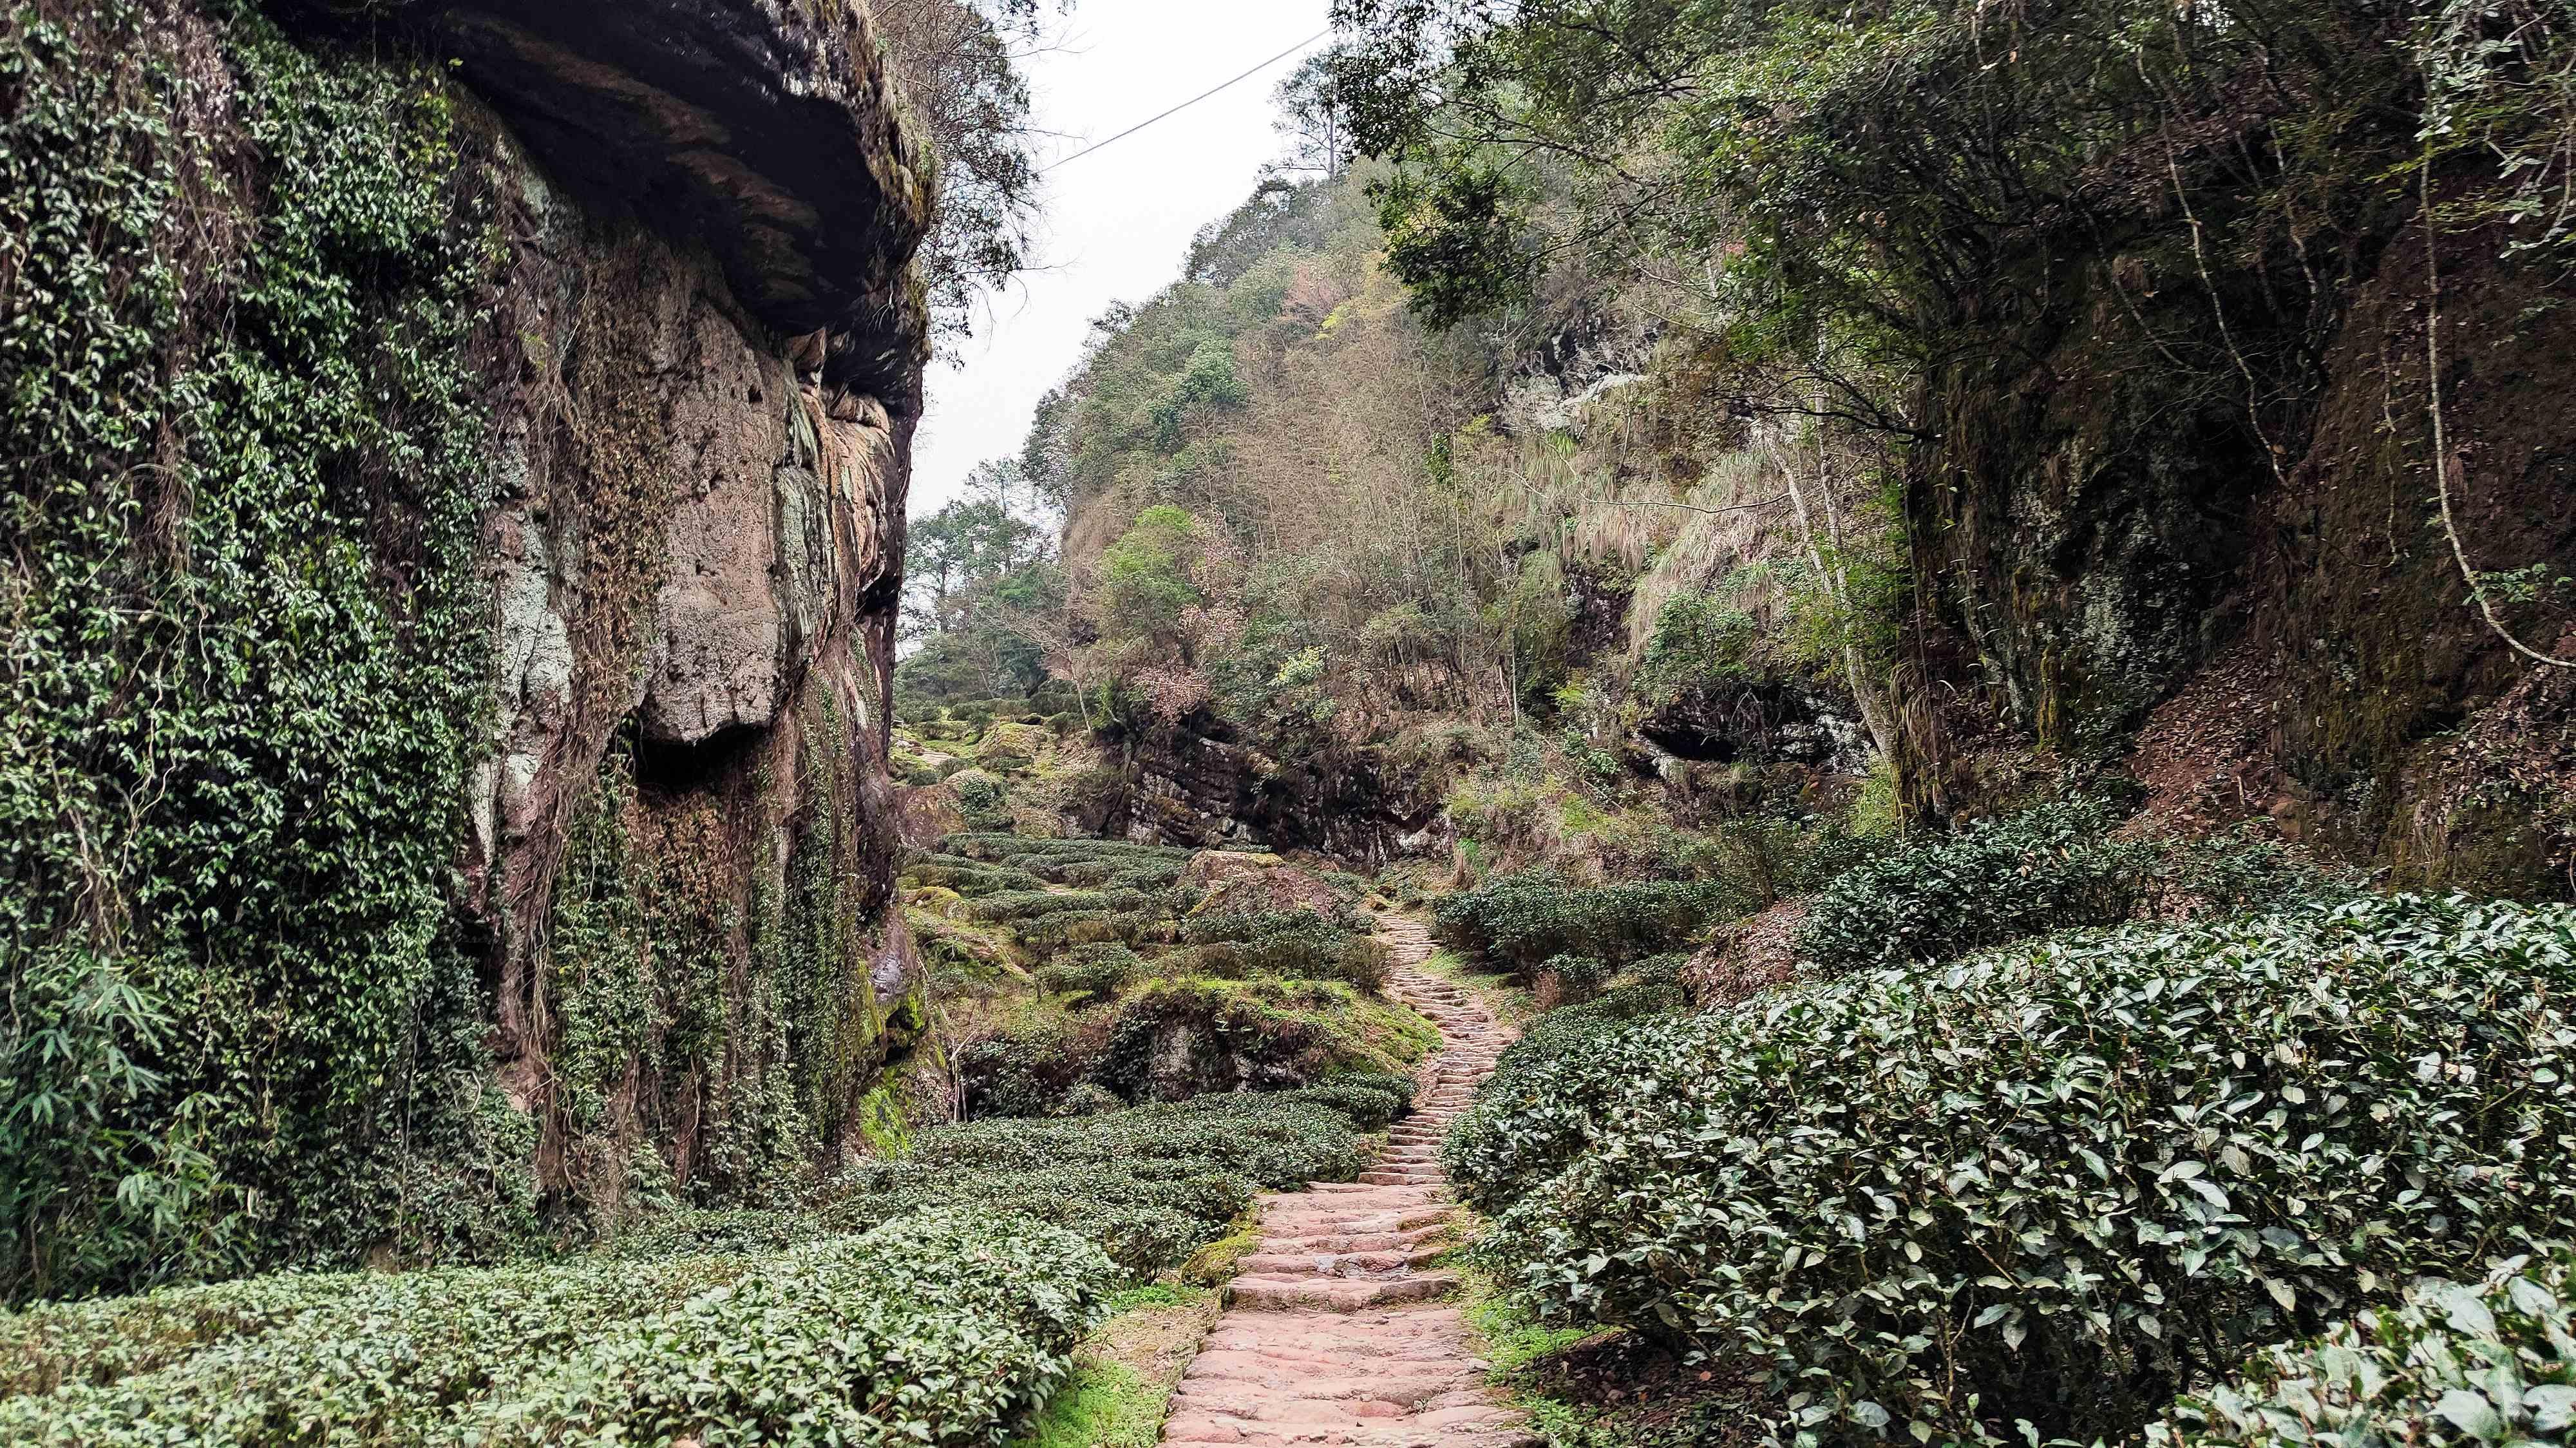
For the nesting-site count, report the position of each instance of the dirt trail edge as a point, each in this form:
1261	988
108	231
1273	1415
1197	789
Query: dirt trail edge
1334	1334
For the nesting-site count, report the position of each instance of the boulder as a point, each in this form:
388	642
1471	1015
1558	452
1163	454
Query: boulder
1010	748
1237	883
926	814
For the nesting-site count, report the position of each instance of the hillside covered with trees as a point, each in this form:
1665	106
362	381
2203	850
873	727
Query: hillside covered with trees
1784	725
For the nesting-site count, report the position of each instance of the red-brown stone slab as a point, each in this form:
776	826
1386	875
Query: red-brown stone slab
1334	1336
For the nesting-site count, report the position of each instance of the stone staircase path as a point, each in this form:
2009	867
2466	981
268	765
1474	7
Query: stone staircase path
1334	1333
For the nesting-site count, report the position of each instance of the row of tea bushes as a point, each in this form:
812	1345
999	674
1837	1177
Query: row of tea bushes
2051	1184
1147	1186
940	1328
2488	1361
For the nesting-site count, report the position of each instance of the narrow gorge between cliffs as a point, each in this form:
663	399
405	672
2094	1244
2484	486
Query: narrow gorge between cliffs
1726	726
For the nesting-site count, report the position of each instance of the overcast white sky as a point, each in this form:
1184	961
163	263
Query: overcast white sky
1117	223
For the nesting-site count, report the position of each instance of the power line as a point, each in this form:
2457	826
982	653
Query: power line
1194	100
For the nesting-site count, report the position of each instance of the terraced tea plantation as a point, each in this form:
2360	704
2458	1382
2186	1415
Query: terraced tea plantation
933	1299
1115	974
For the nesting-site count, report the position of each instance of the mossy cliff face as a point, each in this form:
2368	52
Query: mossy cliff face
2193	532
451	510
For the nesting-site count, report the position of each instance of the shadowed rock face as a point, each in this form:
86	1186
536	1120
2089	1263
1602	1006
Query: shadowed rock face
703	372
766	132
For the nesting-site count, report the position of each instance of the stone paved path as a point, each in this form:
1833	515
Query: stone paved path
1333	1334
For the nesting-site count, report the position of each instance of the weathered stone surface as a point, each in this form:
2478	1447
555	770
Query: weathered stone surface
768	133
1199	784
694	545
1237	882
925	814
1009	747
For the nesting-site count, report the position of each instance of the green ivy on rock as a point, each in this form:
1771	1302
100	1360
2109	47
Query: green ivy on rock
240	469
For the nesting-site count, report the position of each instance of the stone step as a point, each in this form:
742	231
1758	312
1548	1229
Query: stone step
1336	1294
1339	1264
1332	1337
1360	1241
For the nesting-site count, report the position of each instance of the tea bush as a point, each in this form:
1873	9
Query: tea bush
385	1359
1030	904
1539	1109
1297	944
2054	867
2492	1361
1577	977
1146	1219
2050	868
1147	1185
2053	1183
941	1329
938	1327
99	1341
1520	921
970	878
1092	972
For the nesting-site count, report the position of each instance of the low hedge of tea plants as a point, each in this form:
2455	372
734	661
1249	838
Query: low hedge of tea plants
2053	1184
941	1328
1519	922
927	1300
2053	867
2489	1361
1148	1186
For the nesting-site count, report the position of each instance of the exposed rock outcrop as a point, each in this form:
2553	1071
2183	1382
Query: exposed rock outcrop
1199	784
2268	592
497	421
710	351
765	131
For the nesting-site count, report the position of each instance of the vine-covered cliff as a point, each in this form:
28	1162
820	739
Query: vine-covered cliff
452	475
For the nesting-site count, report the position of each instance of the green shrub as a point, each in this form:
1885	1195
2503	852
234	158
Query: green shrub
1026	1072
1520	921
693	1231
1699	639
1578	977
941	1329
1148	1185
973	879
992	845
1370	1107
100	1341
2050	868
982	799
1159	875
1296	944
1093	927
2489	1362
1094	972
1030	904
1400	1087
385	1360
1147	1216
2051	1184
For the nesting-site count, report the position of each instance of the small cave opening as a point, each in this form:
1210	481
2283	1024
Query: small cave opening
1691	742
670	767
